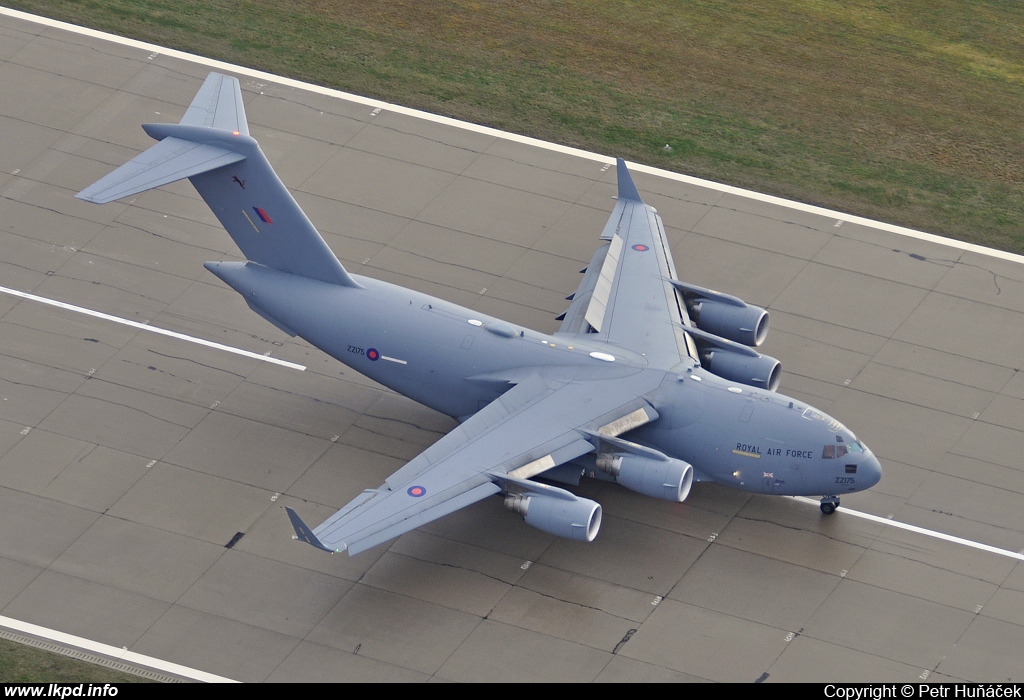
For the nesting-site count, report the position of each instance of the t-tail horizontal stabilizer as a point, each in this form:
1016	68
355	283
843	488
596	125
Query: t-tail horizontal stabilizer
170	160
211	147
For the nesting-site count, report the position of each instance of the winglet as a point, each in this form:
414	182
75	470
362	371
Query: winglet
302	531
627	189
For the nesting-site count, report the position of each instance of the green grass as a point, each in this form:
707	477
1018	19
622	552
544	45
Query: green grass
907	112
20	663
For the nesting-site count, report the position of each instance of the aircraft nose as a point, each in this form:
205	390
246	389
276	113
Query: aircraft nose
872	471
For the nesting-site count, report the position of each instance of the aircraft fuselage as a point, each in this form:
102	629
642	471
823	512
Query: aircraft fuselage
453	359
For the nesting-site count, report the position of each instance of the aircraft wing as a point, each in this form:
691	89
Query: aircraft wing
549	417
626	297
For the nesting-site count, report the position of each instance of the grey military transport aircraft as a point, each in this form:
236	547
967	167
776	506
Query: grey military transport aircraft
650	382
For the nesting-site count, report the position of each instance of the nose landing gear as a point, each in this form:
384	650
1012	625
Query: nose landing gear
829	504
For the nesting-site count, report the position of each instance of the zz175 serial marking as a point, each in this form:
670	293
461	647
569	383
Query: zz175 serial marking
355	350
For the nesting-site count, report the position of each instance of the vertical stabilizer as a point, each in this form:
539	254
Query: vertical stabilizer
218	105
211	147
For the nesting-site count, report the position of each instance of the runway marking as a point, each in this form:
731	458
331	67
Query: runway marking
1019	556
151	329
476	128
122	654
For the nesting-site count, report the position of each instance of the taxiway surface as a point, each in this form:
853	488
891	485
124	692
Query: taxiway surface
143	477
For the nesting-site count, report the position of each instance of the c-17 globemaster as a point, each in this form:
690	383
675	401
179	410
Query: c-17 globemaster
650	382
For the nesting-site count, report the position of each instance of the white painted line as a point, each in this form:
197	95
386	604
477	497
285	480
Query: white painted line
1019	556
151	329
476	128
821	211
122	654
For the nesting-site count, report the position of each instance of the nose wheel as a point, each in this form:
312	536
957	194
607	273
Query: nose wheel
829	504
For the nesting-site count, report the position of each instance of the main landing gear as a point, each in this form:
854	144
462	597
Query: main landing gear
829	504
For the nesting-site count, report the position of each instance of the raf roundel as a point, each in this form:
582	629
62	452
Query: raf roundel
416	491
373	354
640	248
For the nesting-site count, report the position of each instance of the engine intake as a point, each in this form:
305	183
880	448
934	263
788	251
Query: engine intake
578	519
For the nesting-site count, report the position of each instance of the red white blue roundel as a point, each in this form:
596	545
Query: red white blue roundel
373	354
640	247
416	491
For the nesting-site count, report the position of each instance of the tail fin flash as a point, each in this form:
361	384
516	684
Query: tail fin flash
211	147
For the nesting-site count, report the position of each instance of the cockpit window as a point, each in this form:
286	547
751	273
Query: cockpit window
833	451
841	449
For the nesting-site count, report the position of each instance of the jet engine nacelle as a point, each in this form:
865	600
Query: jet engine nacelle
724	315
577	519
763	372
668	479
742	324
